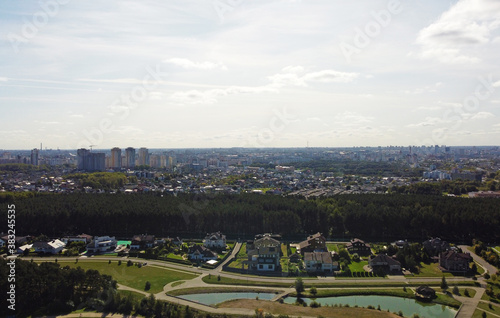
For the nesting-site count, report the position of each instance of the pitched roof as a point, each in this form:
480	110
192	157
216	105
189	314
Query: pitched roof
215	236
321	257
454	256
384	258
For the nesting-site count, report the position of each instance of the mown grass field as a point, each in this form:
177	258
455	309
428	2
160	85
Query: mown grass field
133	276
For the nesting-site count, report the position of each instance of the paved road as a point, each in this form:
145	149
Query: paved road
469	304
490	268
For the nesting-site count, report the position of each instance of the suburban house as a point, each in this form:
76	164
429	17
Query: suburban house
320	262
215	240
316	242
85	238
264	252
19	240
385	262
358	246
50	247
21	249
452	261
102	244
177	241
201	253
435	246
141	242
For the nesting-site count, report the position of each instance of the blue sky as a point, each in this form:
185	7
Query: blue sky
254	73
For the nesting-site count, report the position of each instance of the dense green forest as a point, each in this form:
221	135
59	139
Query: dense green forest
369	216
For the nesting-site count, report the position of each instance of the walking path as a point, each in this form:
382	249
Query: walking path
466	311
469	304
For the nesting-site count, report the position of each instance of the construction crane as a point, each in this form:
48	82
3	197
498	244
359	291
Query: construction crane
91	147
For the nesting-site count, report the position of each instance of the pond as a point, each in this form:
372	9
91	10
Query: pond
217	298
409	307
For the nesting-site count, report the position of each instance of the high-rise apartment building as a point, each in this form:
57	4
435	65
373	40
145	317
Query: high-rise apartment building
143	157
116	158
90	161
34	157
129	158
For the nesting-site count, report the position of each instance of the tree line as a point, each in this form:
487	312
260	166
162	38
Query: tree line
48	289
381	217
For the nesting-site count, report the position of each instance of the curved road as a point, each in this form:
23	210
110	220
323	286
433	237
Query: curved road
469	304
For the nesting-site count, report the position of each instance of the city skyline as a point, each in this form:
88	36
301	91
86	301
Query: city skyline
257	74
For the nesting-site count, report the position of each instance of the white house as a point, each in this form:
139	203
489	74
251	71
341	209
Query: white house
52	247
102	244
201	253
21	249
215	240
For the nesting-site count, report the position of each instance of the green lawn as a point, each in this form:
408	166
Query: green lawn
357	266
495	309
133	276
175	256
430	270
240	257
496	289
284	251
332	247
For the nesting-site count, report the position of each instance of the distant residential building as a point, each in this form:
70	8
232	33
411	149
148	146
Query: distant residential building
215	240
358	246
140	242
264	252
34	157
49	247
201	253
319	262
485	194
102	244
78	238
434	246
143	157
90	161
385	262
453	261
177	241
315	242
116	158
129	158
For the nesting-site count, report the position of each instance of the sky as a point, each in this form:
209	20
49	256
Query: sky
249	73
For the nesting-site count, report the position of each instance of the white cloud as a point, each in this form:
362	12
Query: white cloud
210	96
328	76
3	79
290	77
482	115
188	64
293	69
466	24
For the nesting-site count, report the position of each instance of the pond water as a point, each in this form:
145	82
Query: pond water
409	307
217	298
